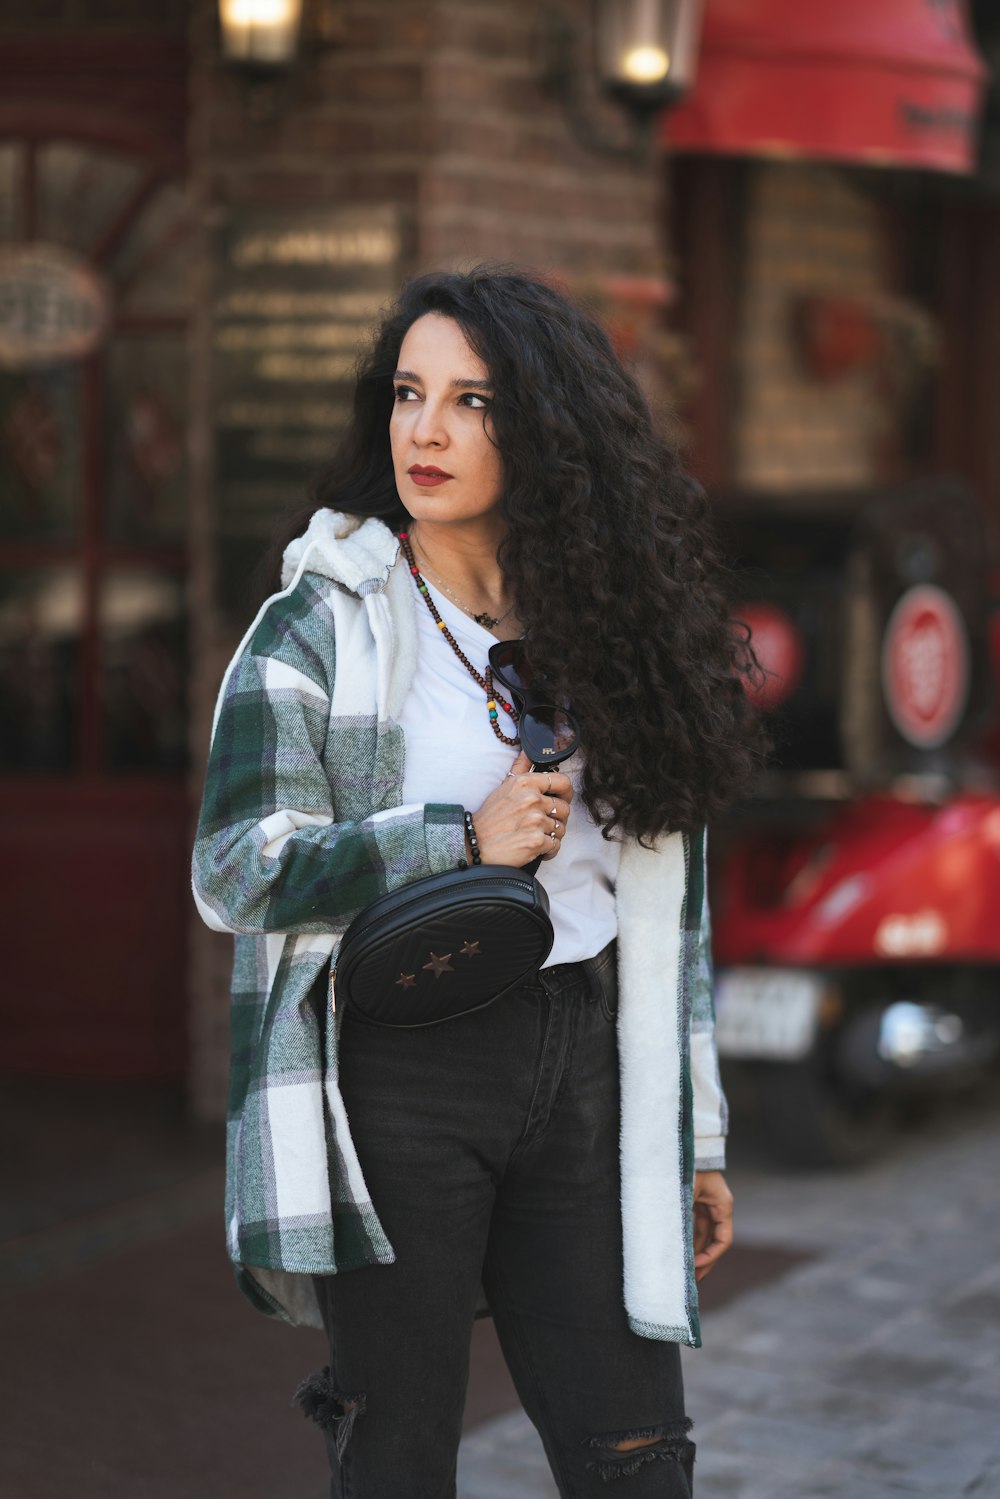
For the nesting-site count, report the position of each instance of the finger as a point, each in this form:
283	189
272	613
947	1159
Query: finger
559	785
712	1251
722	1234
708	1259
549	845
719	1209
556	804
719	1215
552	782
708	1254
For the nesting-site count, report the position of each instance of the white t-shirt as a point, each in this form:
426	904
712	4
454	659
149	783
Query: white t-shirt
453	755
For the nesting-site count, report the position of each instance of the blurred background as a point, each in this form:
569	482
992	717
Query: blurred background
788	218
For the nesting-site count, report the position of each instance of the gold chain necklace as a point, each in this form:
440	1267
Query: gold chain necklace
486	620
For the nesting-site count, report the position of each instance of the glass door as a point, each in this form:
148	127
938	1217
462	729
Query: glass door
95	292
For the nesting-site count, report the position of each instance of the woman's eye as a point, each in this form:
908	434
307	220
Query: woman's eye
468	398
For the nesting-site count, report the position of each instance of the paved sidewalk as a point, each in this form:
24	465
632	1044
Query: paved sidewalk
871	1370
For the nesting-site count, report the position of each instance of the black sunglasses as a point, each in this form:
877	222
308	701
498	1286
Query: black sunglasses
548	733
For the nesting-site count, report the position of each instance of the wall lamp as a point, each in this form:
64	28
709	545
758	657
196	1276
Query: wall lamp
267	42
645	58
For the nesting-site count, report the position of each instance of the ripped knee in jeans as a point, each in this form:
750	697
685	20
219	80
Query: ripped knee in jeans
331	1409
620	1454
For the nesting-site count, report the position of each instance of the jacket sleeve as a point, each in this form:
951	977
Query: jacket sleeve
269	854
711	1115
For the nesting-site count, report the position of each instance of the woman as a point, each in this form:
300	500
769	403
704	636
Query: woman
500	478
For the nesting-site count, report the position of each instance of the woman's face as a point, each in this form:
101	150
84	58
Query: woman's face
440	425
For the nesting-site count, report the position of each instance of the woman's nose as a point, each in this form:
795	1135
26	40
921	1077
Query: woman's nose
429	429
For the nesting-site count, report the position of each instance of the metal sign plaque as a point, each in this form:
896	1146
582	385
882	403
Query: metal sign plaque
296	292
54	308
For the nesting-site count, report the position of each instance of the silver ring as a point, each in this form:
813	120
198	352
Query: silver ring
553	836
553	813
548	789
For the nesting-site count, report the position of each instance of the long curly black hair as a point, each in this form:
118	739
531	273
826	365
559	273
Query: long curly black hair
608	549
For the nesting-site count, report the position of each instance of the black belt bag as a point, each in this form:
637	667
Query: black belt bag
443	946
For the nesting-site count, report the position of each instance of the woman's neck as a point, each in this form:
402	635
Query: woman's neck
464	557
465	563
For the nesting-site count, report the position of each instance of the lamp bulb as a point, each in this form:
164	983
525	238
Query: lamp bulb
646	64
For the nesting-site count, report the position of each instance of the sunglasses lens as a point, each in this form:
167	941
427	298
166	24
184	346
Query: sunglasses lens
546	731
509	664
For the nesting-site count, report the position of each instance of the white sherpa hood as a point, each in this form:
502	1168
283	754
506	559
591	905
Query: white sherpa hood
356	552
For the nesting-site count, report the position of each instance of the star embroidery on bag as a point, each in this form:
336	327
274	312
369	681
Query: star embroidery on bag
406	981
470	950
440	965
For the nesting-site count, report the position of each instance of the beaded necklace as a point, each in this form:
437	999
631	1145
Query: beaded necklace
486	620
486	682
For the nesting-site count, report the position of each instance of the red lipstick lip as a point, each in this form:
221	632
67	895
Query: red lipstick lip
437	473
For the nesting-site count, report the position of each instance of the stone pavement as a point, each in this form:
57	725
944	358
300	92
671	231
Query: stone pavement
851	1343
870	1370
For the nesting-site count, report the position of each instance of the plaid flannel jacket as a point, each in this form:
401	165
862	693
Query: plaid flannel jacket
300	828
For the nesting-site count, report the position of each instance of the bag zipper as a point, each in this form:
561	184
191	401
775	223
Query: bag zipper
500	880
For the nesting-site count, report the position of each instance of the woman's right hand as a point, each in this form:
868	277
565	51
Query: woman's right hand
514	823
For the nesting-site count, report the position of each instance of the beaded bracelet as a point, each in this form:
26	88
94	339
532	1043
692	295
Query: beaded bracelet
470	828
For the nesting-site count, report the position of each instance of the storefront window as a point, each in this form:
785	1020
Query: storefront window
10	182
155	267
98	286
80	192
41	622
146	493
40	454
143	646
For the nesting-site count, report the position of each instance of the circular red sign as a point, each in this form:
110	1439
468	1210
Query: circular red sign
925	666
778	647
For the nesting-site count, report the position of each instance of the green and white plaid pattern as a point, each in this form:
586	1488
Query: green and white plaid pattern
300	828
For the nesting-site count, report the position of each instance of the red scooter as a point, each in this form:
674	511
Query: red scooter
856	898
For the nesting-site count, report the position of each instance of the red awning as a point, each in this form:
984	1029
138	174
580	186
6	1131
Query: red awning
883	82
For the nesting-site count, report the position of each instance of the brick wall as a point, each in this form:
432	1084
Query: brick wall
809	231
505	177
439	109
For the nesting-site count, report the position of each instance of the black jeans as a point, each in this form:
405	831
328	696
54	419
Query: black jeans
490	1147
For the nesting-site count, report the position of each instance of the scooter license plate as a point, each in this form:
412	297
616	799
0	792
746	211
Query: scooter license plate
766	1012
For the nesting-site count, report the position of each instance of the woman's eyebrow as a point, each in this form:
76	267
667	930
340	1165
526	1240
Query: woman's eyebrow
414	379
